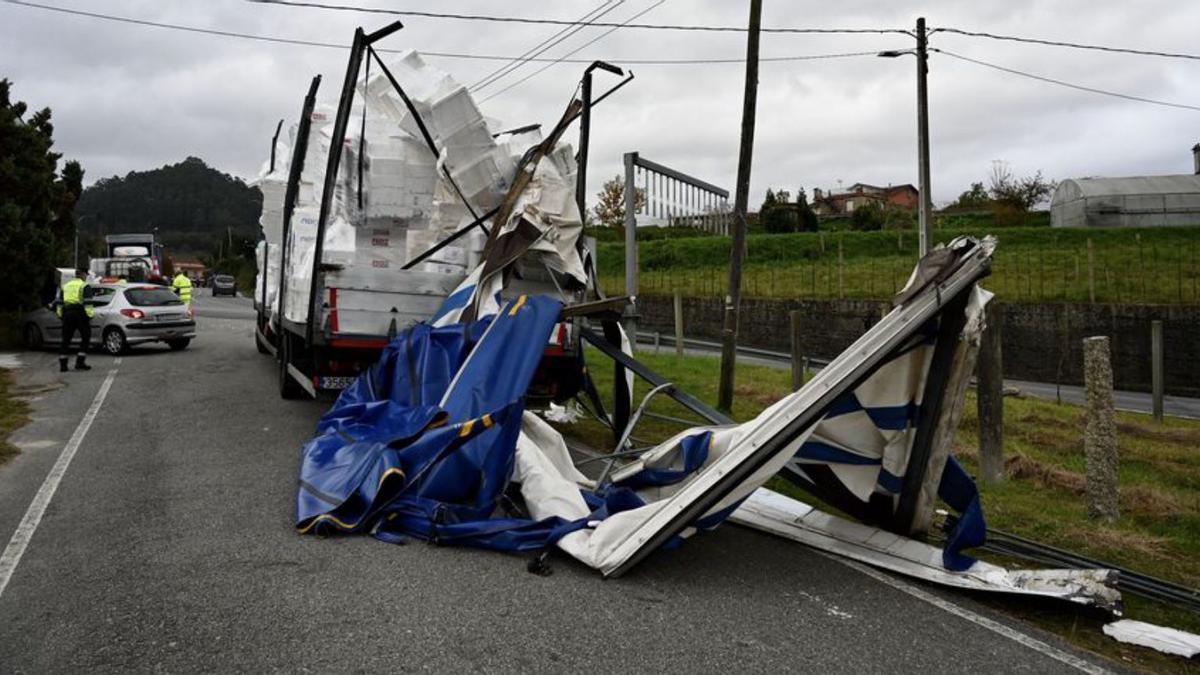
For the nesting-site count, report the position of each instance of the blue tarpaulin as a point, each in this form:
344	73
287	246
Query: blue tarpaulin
423	444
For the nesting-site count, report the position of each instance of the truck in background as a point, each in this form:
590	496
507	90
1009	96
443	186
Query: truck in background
137	257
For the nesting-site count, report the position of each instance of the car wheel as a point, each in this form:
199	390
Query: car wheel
177	345
114	342
32	336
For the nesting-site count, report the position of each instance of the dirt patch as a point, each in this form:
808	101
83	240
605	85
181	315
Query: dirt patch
1187	437
1142	500
1020	467
764	398
1106	537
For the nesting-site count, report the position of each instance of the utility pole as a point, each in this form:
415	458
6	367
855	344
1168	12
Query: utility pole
737	256
925	213
925	207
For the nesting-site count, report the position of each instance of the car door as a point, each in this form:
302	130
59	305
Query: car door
49	322
101	299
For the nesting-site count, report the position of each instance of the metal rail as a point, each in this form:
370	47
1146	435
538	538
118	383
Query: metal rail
669	340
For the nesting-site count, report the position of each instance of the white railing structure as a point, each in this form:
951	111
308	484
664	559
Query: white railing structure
672	198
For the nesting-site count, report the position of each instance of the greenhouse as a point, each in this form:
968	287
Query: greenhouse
1140	201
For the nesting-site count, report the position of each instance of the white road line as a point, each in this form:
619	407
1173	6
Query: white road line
994	626
37	508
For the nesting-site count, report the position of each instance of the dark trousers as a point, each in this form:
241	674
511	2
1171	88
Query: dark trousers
75	320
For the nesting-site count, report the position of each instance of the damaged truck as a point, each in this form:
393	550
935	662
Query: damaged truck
432	267
378	213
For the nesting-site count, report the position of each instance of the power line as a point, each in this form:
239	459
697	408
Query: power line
1072	45
570	53
1061	83
562	22
544	46
449	55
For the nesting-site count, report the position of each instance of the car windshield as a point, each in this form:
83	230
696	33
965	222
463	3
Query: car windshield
147	296
224	278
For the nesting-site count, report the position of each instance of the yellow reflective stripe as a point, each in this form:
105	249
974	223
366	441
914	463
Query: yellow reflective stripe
391	472
520	302
466	428
325	517
487	422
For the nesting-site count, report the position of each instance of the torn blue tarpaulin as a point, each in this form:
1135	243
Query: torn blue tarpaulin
423	444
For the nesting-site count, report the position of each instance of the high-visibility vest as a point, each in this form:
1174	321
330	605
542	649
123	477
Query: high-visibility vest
72	294
183	286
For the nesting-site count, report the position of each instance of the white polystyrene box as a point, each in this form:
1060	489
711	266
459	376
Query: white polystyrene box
481	181
339	242
471	140
452	111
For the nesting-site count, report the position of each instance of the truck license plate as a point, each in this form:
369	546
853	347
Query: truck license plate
334	382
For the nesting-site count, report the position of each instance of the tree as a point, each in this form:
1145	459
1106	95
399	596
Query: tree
610	208
869	216
778	214
190	203
1022	194
975	198
36	204
808	217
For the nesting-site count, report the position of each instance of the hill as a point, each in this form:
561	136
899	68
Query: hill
191	204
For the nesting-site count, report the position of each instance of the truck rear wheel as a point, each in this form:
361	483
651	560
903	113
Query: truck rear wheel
288	388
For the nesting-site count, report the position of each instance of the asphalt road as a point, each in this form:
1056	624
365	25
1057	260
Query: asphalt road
168	546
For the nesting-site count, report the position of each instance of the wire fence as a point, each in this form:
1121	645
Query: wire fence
1142	273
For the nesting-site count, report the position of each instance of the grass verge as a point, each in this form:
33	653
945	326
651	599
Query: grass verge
14	414
1032	264
1042	498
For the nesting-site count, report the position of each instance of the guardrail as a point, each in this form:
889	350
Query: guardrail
665	339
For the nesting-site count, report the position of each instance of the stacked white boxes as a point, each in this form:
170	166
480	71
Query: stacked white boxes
407	203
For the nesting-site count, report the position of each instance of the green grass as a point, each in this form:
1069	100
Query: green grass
1158	532
14	414
1032	264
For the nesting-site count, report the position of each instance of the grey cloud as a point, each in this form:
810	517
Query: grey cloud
129	98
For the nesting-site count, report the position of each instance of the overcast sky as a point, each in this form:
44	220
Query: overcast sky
129	97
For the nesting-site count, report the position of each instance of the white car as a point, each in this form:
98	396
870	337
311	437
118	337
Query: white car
126	315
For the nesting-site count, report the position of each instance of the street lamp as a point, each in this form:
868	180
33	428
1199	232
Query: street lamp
925	208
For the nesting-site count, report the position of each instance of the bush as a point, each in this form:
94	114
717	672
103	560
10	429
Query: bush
868	217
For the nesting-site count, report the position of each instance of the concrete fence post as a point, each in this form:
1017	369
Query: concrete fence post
1100	434
678	323
990	398
1156	368
798	361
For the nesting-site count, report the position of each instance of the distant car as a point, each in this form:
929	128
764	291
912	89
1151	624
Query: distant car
126	315
223	284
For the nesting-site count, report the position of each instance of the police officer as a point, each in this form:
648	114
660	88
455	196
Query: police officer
183	287
76	317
